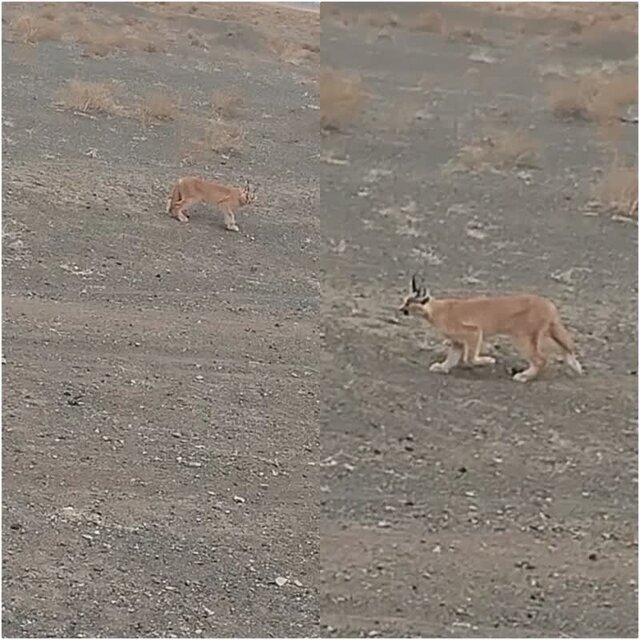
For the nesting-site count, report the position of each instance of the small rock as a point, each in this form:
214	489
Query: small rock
280	581
239	499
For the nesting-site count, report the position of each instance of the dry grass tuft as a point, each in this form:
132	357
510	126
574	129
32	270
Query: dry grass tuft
617	192
501	149
429	21
378	19
36	28
562	18
341	99
223	138
293	52
227	103
90	97
594	97
158	105
100	41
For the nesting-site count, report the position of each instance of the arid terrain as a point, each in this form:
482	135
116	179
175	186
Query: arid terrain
483	148
198	440
160	380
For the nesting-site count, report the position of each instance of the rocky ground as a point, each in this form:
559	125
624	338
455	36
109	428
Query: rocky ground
469	504
160	380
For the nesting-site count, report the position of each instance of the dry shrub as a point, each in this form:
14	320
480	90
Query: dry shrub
90	97
223	138
594	97
618	189
293	52
501	149
99	40
36	28
341	98
227	103
378	19
158	105
429	21
579	17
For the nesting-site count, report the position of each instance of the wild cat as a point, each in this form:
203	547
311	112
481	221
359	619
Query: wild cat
527	319
189	190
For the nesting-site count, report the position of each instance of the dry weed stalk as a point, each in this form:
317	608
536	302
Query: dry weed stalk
90	97
341	99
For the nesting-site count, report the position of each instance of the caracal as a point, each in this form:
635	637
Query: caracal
189	190
466	322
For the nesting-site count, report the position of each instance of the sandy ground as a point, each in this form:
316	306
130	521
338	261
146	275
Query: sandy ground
160	380
468	504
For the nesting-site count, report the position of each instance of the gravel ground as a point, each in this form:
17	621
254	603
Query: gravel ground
160	379
468	504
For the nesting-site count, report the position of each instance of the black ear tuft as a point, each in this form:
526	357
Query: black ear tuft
414	285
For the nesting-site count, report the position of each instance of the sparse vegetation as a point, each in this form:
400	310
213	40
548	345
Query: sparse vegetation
99	40
227	103
617	192
36	28
570	17
158	105
378	19
341	98
90	97
292	52
500	149
595	97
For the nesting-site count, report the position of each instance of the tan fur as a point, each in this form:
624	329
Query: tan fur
466	322
189	190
